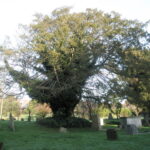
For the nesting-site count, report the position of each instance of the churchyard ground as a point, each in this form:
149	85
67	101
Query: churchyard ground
30	136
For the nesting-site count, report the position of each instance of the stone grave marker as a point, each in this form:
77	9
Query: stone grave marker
131	120
1	145
135	120
11	122
131	129
111	134
63	130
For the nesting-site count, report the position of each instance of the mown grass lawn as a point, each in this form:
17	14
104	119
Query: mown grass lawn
30	136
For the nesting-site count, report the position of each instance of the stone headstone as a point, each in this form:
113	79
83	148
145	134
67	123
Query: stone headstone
63	130
111	134
135	121
101	121
97	122
1	145
11	122
131	129
131	120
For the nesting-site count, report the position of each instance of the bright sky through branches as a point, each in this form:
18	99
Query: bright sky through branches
15	12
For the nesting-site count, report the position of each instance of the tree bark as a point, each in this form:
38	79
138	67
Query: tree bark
63	107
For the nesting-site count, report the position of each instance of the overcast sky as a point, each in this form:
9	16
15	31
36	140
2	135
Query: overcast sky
14	12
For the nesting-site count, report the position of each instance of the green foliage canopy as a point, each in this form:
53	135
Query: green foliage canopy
62	51
136	74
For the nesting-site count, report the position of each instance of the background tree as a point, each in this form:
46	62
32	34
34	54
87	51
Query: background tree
103	111
38	110
62	51
85	108
135	110
31	109
136	74
138	78
11	105
42	110
125	112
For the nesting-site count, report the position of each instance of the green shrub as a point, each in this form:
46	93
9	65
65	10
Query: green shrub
112	121
48	122
71	122
74	122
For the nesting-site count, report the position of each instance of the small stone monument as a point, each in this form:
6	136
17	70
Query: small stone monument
63	130
131	120
97	122
111	134
131	129
11	122
1	145
134	120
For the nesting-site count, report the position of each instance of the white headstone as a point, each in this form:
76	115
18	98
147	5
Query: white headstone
134	121
131	120
101	121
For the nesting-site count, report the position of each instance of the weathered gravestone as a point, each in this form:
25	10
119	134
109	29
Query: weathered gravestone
131	129
11	122
135	121
97	122
131	120
111	134
63	130
1	145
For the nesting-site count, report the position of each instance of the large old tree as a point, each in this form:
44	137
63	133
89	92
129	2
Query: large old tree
60	53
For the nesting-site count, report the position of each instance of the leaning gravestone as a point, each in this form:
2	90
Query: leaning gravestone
97	122
131	129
